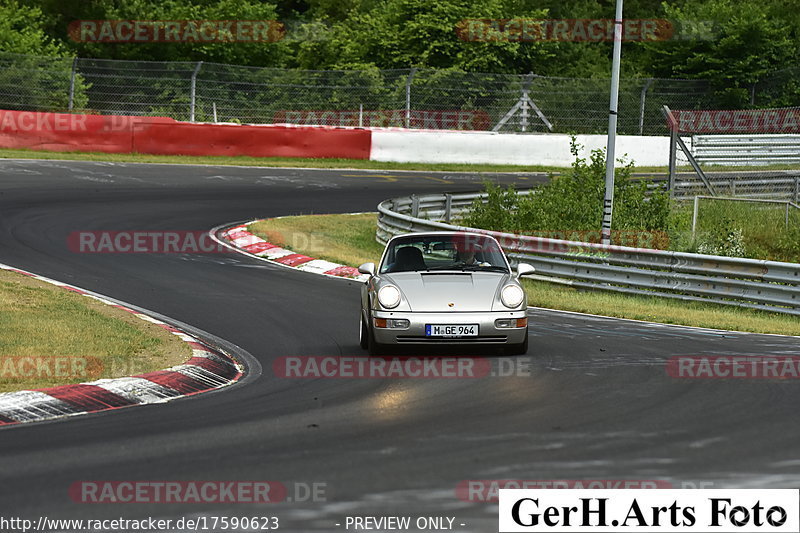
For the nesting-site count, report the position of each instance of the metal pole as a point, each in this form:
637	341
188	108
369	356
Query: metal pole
695	166
641	104
673	154
448	207
524	119
360	115
796	189
673	149
608	202
694	214
408	96
71	103
787	215
214	109
194	87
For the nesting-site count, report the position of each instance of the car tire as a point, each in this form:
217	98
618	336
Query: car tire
363	335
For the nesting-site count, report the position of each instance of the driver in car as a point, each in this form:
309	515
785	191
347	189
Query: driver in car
467	258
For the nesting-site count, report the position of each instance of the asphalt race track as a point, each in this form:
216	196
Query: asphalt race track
598	403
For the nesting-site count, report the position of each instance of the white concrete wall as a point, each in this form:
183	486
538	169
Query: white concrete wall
506	148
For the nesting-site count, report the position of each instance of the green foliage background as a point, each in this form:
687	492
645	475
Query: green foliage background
732	43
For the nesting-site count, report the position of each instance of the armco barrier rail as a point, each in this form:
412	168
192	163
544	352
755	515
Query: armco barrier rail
767	285
746	149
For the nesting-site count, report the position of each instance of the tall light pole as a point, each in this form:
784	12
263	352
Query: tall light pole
608	202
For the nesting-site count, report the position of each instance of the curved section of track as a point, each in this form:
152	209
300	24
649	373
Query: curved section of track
597	404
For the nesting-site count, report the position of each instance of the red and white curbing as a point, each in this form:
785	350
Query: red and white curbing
241	239
208	369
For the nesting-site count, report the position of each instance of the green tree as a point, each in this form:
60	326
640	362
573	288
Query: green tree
22	31
732	43
420	33
58	15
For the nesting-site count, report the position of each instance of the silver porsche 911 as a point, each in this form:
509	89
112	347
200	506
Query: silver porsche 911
443	287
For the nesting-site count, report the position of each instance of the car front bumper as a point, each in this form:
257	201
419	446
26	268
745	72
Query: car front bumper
488	333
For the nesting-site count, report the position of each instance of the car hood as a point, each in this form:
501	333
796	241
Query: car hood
436	291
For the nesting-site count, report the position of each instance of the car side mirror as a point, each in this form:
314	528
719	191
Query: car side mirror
367	268
524	268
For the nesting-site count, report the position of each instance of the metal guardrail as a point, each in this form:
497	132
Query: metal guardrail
783	184
746	150
779	184
758	284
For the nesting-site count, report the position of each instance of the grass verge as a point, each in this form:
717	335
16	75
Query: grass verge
51	336
346	239
322	163
350	239
270	161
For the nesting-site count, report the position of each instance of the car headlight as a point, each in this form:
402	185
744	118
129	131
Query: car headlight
389	296
512	296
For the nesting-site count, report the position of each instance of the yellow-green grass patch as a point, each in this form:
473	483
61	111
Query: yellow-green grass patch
346	239
50	336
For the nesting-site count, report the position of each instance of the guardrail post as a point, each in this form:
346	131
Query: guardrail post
414	205
194	90
409	79
787	215
448	207
796	189
733	186
694	215
641	104
673	149
71	102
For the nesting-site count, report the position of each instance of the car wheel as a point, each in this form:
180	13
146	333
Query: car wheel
363	335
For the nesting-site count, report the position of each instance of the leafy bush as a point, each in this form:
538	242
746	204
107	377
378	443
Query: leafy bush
729	243
573	202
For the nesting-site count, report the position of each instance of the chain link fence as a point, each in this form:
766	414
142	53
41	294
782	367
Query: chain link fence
426	98
735	184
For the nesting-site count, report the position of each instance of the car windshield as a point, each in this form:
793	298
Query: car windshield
463	252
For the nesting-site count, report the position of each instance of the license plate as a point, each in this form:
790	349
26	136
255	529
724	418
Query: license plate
451	330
